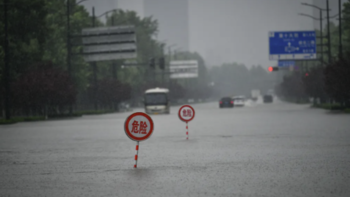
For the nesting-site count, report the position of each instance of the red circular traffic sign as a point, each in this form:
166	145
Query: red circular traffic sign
138	126
186	113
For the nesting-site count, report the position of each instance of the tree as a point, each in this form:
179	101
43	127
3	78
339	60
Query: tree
292	88
44	87
146	29
56	40
314	85
346	26
27	32
111	92
147	47
337	80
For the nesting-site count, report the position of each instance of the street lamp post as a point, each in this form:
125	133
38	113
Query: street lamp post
68	39
69	49
94	67
93	64
114	69
321	32
163	60
328	30
69	45
6	76
340	31
169	51
176	51
170	57
329	35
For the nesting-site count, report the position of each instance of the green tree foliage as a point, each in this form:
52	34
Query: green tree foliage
38	33
41	88
328	80
27	32
337	80
147	47
292	88
110	92
346	26
313	81
56	39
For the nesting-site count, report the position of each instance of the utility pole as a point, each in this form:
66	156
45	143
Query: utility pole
69	68
154	56
169	52
321	28
114	69
68	39
94	67
340	31
329	35
169	79
321	34
7	77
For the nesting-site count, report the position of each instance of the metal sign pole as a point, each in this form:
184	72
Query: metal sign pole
186	130
137	153
94	67
329	35
138	127
7	76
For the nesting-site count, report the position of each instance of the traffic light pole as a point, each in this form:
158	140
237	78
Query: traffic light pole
340	32
69	50
329	35
114	69
321	34
6	76
94	67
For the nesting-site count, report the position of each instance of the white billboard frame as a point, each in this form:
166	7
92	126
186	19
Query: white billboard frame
109	43
183	69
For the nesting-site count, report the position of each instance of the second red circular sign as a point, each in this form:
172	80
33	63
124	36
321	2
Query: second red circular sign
186	113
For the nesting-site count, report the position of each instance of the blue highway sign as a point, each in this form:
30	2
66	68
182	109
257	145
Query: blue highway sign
282	63
292	45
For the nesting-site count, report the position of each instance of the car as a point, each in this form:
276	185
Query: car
226	102
268	98
239	100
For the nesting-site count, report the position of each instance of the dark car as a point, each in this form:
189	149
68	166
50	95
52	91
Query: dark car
226	102
268	98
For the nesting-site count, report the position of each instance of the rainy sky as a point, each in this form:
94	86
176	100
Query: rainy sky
221	30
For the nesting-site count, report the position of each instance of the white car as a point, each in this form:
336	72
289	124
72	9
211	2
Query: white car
239	101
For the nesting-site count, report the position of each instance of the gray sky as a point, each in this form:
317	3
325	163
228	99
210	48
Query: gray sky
237	30
231	30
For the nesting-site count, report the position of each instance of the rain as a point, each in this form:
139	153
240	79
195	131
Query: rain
175	98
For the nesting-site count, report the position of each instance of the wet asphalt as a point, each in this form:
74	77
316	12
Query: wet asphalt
276	149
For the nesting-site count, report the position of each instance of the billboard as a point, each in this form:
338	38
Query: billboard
109	43
183	69
292	45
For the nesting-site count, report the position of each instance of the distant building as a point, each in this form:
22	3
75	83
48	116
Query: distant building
173	20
